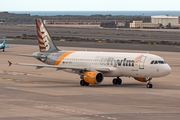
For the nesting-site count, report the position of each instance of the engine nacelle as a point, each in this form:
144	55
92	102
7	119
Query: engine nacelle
140	79
92	77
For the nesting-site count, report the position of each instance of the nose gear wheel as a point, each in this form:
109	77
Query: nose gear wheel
149	85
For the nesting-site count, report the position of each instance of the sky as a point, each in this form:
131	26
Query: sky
89	5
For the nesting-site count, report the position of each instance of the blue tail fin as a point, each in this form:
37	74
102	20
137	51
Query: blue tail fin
4	42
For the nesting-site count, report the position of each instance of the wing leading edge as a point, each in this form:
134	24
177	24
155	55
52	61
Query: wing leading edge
39	66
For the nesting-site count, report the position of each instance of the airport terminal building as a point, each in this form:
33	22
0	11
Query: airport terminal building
141	24
160	21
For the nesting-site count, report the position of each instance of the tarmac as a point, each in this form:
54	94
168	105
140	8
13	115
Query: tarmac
88	45
28	93
171	35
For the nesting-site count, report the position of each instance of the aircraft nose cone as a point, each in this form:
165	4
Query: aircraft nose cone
167	70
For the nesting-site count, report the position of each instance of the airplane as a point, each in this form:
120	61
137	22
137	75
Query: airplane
92	67
3	45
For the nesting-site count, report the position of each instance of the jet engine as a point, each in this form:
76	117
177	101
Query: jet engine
92	77
140	79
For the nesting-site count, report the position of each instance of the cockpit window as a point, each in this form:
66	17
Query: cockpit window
152	62
161	62
155	62
158	62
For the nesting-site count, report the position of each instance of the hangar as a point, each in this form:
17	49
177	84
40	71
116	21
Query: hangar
160	21
165	20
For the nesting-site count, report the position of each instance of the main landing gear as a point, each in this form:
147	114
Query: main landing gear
3	50
117	81
84	83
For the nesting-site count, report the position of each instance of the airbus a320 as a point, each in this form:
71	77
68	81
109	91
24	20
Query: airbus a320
92	67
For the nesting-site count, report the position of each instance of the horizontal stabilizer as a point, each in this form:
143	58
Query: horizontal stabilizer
27	55
10	63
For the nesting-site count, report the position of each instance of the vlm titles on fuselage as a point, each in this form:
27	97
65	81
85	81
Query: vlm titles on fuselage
92	67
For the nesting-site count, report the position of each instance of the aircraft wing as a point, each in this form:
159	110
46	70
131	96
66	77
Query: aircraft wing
39	66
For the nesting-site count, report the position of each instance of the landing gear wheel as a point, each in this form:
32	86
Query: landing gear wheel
117	81
149	85
84	83
3	50
114	81
87	84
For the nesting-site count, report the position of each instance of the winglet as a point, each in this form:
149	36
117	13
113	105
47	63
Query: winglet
10	63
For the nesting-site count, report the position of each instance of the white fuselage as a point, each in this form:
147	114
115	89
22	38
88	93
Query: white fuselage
120	64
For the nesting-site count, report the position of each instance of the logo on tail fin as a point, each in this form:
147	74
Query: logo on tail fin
44	39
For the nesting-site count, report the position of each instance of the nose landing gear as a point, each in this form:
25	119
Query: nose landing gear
149	85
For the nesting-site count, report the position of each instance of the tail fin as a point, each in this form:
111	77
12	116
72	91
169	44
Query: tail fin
4	42
46	44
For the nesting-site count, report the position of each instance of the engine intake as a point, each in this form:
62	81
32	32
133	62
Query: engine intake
92	77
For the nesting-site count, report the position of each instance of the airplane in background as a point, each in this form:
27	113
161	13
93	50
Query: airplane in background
92	67
3	45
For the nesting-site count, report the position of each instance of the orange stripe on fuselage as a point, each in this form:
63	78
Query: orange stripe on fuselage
60	58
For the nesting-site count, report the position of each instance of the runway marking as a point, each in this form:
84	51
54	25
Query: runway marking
17	73
71	112
108	117
114	118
